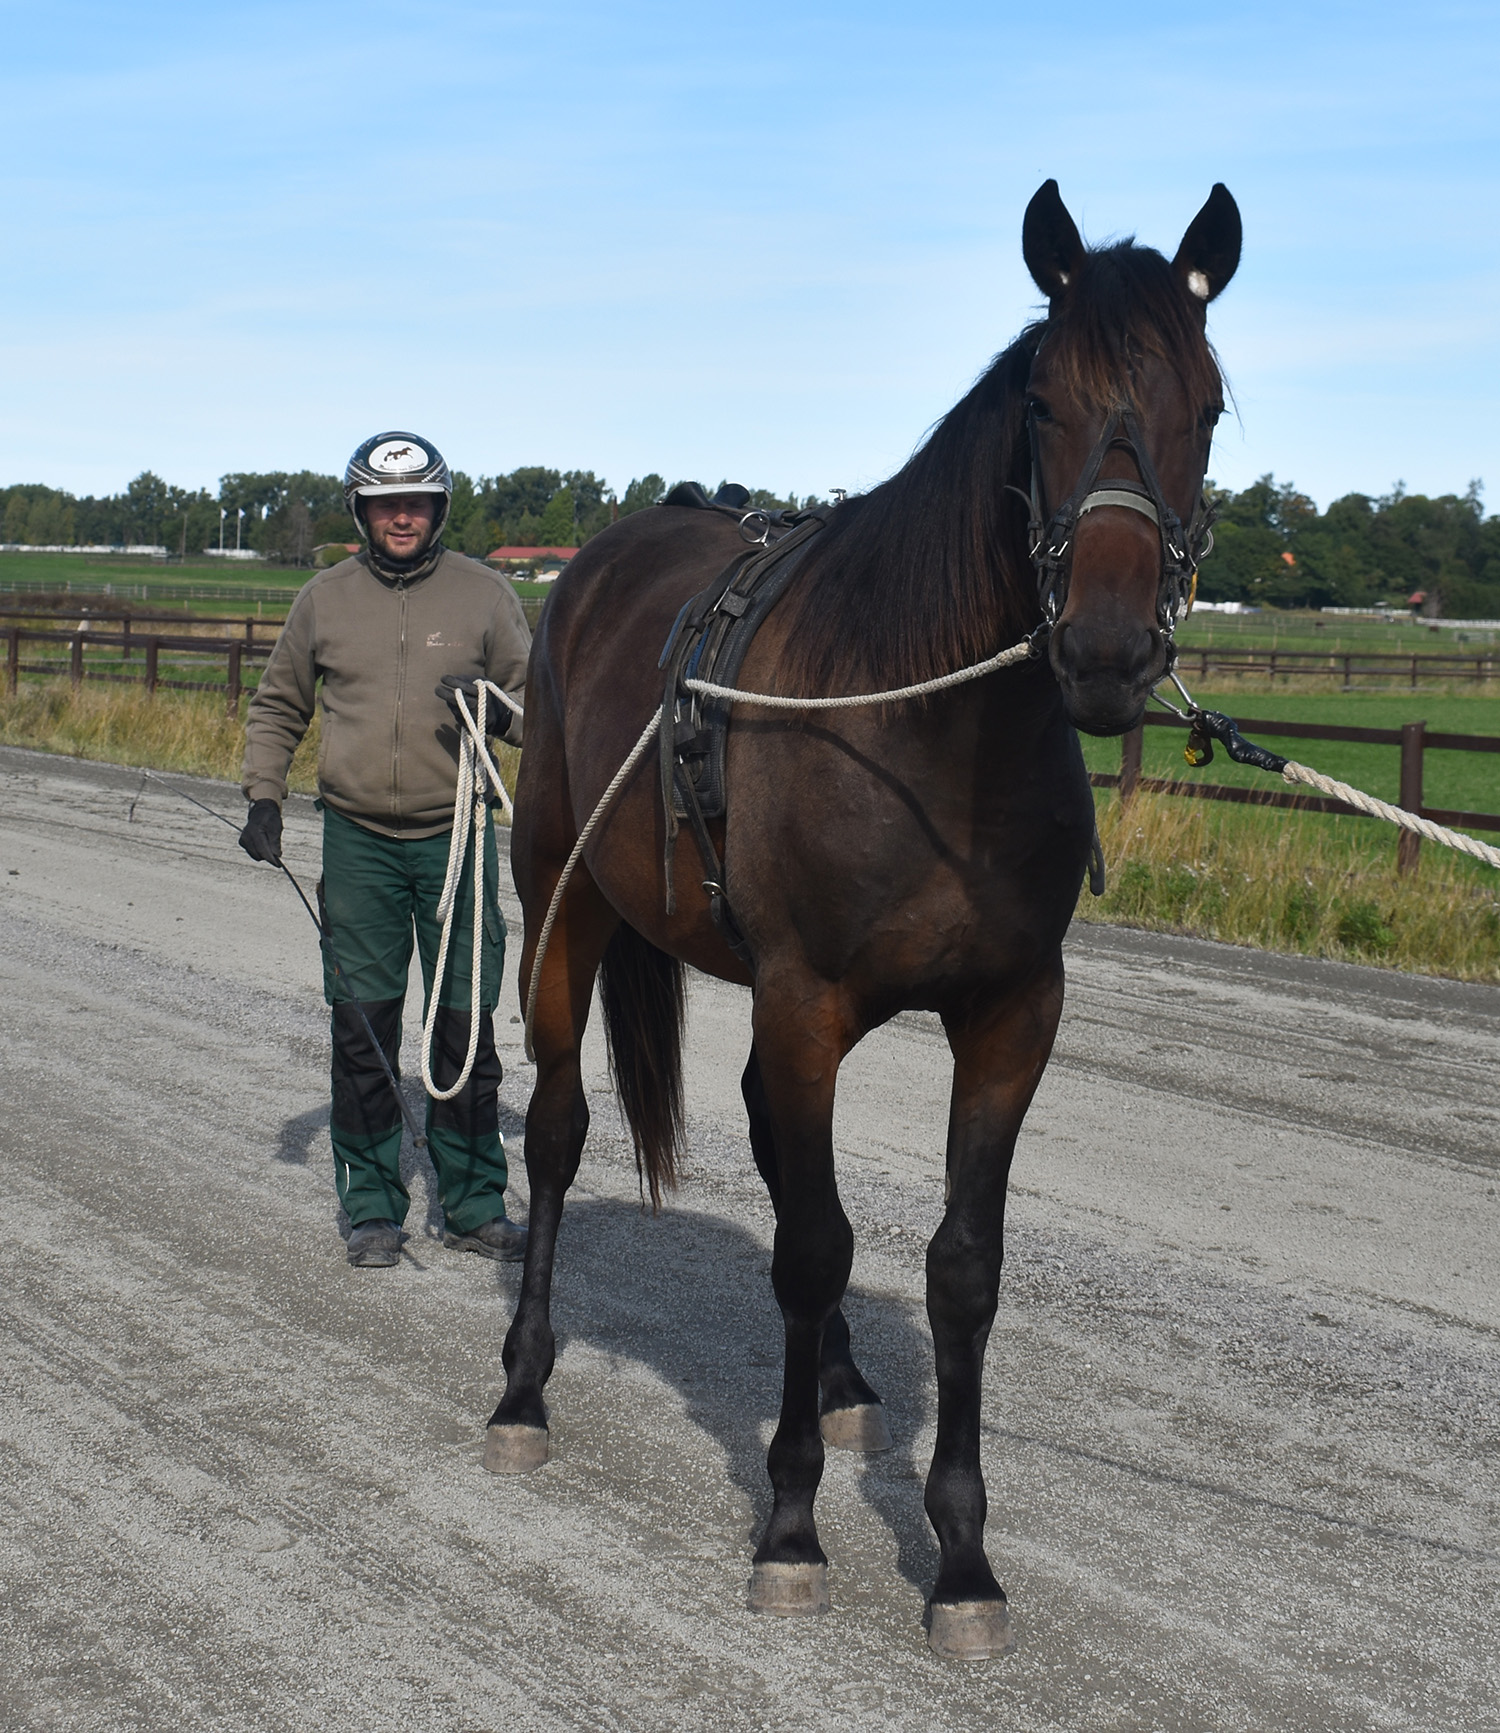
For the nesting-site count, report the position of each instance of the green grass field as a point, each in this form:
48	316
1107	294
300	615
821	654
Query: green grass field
199	587
1331	633
1466	780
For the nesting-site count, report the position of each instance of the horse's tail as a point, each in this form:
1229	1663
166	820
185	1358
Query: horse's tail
645	1004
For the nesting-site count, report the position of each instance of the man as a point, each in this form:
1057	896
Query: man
379	631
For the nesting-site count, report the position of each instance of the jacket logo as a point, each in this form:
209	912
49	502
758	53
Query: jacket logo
436	641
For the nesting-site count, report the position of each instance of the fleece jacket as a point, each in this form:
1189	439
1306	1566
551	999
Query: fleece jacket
389	752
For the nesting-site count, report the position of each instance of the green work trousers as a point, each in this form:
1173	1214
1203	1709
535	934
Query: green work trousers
376	893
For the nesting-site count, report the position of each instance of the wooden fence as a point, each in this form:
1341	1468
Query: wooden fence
1413	738
1347	666
181	650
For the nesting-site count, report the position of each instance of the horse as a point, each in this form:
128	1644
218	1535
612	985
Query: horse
905	855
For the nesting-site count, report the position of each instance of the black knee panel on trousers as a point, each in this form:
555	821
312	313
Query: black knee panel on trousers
474	1111
364	1105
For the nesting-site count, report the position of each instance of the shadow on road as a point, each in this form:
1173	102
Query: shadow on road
689	1296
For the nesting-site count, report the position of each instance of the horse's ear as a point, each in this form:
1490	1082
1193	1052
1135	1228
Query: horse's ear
1050	242
1210	249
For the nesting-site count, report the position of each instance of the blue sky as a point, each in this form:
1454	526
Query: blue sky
769	243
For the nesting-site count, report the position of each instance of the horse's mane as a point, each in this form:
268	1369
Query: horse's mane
929	572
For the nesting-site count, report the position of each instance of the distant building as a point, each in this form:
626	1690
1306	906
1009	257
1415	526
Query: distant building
530	556
152	548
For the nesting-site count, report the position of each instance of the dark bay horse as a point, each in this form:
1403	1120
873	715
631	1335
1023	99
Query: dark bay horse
911	855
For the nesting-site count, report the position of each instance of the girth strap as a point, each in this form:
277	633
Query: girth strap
746	586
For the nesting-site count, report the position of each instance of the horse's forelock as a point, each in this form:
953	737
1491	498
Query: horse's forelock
1127	303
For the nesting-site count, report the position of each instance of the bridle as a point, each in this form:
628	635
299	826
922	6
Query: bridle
1051	538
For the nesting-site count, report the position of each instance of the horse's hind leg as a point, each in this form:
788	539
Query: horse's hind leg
853	1416
556	1124
999	1054
799	1053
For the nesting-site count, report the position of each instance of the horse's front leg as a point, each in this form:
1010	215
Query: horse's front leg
557	1122
999	1051
853	1416
799	1040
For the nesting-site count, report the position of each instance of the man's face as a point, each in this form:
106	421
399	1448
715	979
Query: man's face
400	523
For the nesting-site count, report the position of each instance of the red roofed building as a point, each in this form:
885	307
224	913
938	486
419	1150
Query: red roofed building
519	554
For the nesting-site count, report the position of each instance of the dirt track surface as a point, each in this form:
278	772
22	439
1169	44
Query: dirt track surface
1241	1407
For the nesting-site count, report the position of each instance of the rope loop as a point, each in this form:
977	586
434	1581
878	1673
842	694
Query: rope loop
477	773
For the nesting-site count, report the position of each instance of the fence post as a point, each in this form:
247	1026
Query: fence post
232	705
75	661
1130	762
12	659
1413	673
125	634
1412	745
153	645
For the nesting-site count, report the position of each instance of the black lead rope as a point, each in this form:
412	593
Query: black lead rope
1208	726
323	939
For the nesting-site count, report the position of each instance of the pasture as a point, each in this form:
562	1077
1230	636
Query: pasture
201	586
1332	634
1466	780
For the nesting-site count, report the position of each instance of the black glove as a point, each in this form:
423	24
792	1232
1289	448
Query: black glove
261	837
496	717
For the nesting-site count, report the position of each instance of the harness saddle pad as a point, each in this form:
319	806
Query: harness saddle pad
709	641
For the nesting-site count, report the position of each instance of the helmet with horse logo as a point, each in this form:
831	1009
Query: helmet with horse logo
397	463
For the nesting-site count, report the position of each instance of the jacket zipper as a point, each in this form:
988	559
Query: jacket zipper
396	735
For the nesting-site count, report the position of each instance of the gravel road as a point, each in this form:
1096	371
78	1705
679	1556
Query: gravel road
1241	1413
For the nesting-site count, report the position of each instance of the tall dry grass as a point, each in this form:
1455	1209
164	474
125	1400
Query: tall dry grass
182	731
1299	882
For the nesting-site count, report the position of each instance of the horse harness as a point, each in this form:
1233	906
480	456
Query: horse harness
709	640
1051	538
713	630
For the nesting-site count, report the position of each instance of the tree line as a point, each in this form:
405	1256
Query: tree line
285	517
1272	546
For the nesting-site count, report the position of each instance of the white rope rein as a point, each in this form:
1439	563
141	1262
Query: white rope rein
648	734
734	695
1398	815
1021	652
470	815
476	767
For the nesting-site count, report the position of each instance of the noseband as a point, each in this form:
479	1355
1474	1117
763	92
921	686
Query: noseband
1052	537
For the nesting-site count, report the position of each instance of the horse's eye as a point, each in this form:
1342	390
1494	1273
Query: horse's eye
1211	415
1039	410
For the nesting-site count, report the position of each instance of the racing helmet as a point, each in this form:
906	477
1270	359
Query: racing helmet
398	463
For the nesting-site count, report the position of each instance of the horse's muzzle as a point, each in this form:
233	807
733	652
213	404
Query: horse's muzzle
1106	672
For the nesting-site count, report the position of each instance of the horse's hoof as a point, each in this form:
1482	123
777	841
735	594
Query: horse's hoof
791	1590
515	1449
863	1429
970	1630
